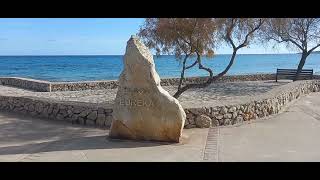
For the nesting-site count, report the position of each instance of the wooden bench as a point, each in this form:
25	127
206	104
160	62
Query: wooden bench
291	73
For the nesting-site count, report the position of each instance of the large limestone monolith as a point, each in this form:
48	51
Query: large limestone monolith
143	110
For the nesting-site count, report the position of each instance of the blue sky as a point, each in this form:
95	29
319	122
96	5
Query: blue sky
78	36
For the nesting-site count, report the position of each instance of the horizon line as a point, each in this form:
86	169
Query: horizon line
153	54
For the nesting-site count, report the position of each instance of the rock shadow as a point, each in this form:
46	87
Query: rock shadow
49	136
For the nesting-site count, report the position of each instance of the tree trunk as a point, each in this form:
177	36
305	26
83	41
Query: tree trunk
189	86
202	85
233	57
182	72
211	78
301	64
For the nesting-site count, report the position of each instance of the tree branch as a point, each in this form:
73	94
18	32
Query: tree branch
312	49
194	85
250	33
175	28
228	34
202	67
228	67
183	70
292	41
195	62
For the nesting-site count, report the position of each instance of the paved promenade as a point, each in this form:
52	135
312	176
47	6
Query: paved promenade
289	136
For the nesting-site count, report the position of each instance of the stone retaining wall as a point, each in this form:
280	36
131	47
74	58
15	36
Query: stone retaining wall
84	85
233	78
46	86
75	86
100	115
234	114
31	84
75	112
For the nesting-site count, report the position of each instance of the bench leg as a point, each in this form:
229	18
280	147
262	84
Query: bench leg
276	78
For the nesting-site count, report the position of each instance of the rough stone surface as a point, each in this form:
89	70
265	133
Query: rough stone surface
32	84
203	121
108	121
215	123
227	122
93	115
143	109
223	110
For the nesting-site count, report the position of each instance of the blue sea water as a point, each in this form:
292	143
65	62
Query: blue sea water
81	68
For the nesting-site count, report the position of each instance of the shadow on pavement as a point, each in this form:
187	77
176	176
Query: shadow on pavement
79	143
37	135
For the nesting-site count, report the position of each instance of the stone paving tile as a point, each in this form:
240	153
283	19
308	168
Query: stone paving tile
33	141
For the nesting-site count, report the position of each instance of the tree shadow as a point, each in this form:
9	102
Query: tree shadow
21	128
232	89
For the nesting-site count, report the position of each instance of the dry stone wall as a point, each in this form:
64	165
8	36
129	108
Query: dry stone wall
46	86
75	86
85	85
272	103
75	112
31	84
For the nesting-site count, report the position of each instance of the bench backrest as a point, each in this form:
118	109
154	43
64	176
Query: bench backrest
291	73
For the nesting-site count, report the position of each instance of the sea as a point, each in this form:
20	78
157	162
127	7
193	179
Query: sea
109	67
